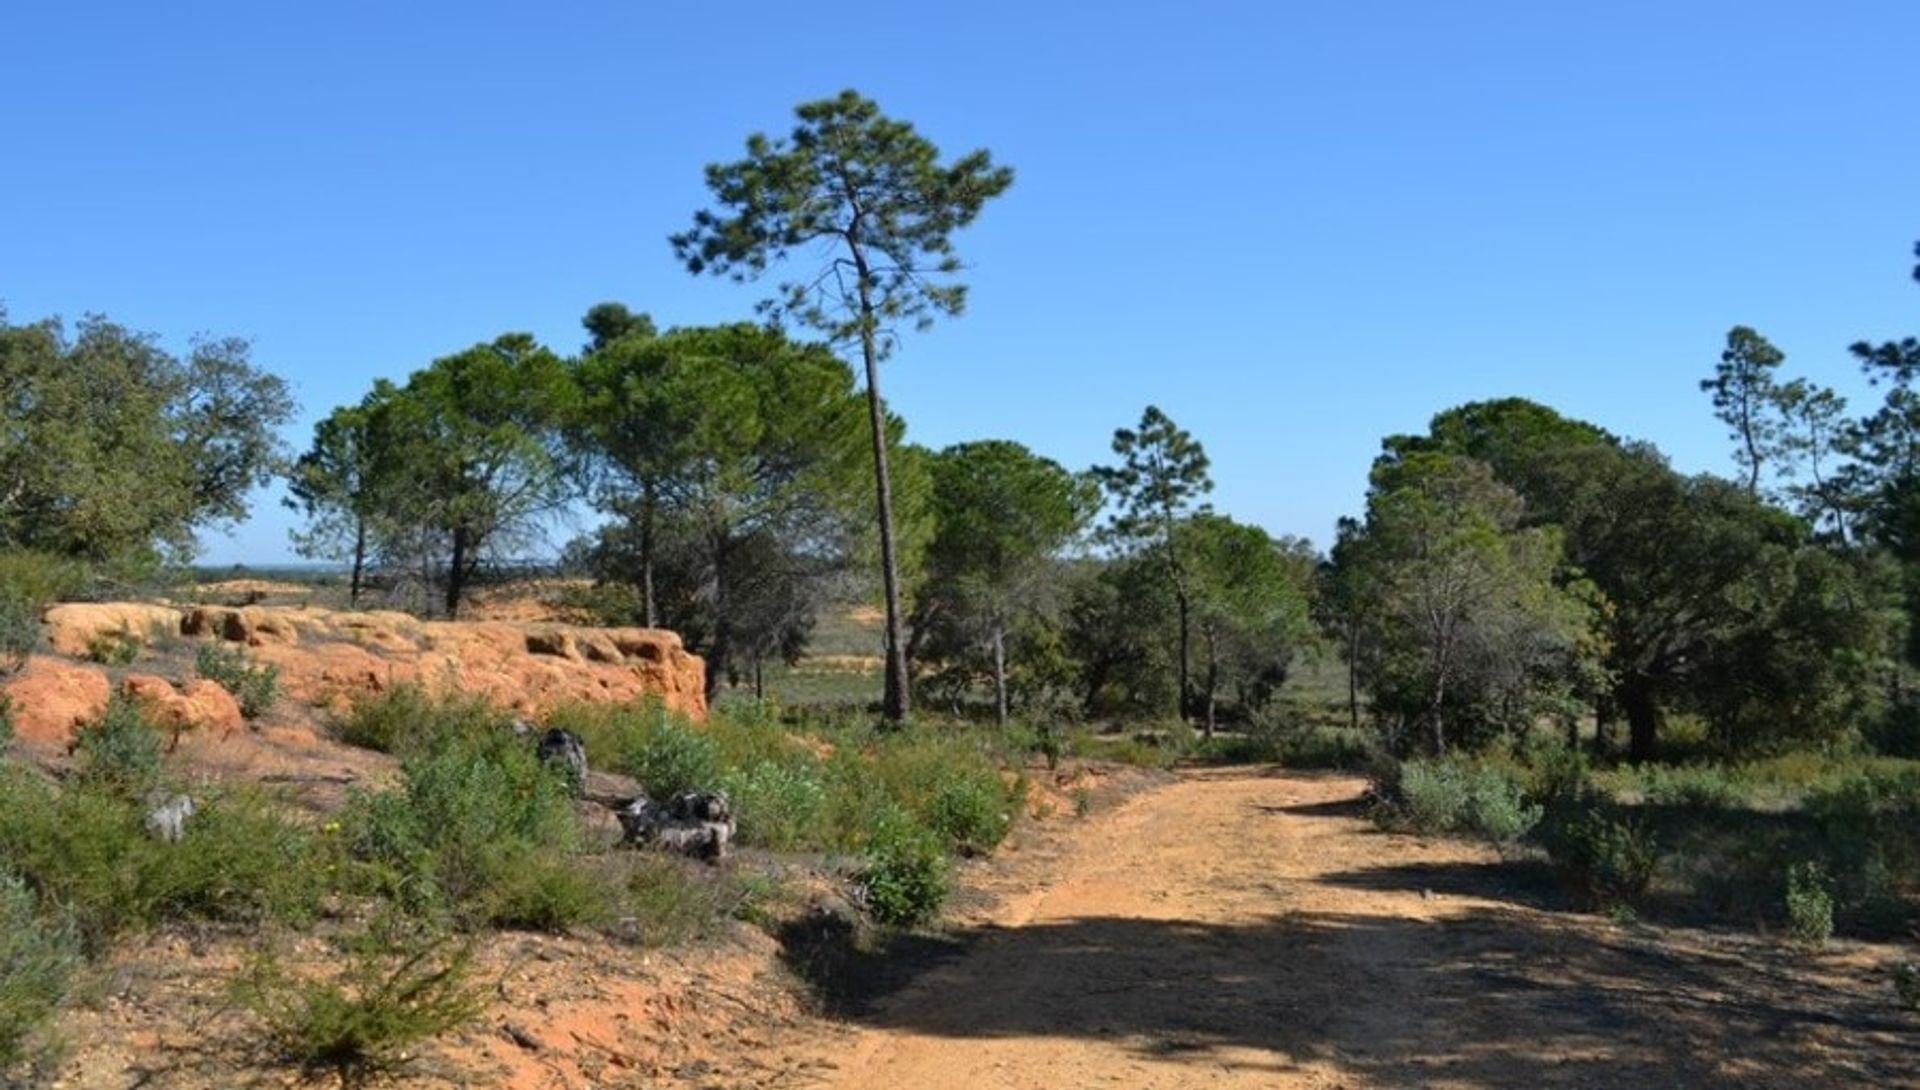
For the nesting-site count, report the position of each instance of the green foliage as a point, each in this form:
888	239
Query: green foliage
116	450
407	719
668	901
113	648
970	814
84	848
780	806
906	876
1809	904
1456	797
120	750
1869	825
674	759
1906	984
1697	787
397	986
38	955
254	686
6	723
1606	859
478	829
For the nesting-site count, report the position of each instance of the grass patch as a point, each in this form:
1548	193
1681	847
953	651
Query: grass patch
255	686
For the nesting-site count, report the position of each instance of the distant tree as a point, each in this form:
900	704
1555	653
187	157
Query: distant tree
873	192
1471	629
1115	630
606	323
1161	476
114	450
338	486
1814	435
1250	597
479	434
749	445
1744	393
1002	515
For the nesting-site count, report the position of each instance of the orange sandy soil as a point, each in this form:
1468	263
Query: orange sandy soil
1229	929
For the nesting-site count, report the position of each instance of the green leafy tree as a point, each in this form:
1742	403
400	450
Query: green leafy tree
753	486
1471	630
1249	596
607	323
873	192
113	450
1161	476
1744	395
344	486
1002	515
477	455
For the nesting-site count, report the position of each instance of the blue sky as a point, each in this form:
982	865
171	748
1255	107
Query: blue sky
1296	227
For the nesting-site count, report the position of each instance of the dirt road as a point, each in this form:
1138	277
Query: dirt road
1242	929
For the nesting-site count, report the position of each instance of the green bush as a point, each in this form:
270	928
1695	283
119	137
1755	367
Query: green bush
1809	904
455	835
664	901
407	719
397	987
1693	787
115	648
1906	984
6	723
971	814
906	877
38	955
779	806
675	758
39	578
86	850
1457	798
254	686
1607	861
19	630
121	748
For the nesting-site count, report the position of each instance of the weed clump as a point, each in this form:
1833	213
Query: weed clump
255	686
906	877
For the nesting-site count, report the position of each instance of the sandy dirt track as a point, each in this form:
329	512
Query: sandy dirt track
1248	929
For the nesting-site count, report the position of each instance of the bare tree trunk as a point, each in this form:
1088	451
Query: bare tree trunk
646	555
1643	720
999	675
457	572
897	701
359	562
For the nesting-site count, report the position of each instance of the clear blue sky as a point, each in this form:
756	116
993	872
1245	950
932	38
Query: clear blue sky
1295	226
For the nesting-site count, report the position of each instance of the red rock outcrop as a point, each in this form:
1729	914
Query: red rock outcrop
73	626
51	696
198	705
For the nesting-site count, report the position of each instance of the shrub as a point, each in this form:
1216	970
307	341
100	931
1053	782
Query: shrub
970	814
778	806
85	849
664	901
1809	904
1607	861
396	987
19	629
675	758
121	748
906	876
407	719
38	954
115	648
1693	787
1453	797
254	686
540	892
470	815
1906	984
6	722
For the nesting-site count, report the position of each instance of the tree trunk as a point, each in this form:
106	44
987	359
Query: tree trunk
646	555
897	701
1186	700
1643	720
457	572
1353	677
359	562
721	649
999	675
1213	686
759	680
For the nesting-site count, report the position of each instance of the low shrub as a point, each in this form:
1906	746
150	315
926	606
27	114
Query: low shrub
674	758
1458	798
121	748
254	686
85	849
456	835
407	719
397	986
1809	904
1906	984
19	630
1691	787
906	877
113	648
38	955
971	814
780	806
1606	860
6	722
665	901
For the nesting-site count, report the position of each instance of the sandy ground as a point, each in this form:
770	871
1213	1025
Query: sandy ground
1239	929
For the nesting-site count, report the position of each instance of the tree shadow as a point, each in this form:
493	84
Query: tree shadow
1487	998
